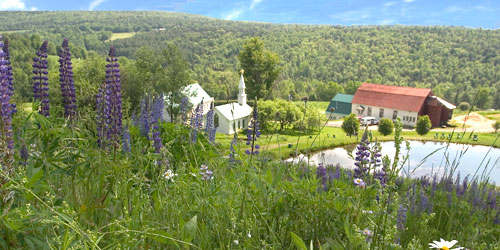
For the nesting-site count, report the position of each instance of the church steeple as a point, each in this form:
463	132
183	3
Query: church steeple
242	97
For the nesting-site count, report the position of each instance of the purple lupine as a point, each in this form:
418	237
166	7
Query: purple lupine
423	201
156	138
6	136
321	175
184	108
144	118
67	83
24	154
41	79
401	219
253	133
196	122
10	77
206	174
113	98
210	126
126	140
232	147
362	157
157	109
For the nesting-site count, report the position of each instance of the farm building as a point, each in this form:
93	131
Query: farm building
233	117
342	106
195	94
404	102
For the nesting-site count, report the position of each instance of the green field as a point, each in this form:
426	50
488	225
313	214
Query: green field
124	35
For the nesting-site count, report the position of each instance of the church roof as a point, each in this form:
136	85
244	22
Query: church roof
238	111
196	93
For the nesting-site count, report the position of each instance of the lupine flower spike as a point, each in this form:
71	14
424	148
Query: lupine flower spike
67	83
41	79
10	77
253	133
6	109
444	245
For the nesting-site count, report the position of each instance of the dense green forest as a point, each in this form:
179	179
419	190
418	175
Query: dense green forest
455	62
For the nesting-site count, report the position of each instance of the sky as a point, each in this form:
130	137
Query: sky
469	13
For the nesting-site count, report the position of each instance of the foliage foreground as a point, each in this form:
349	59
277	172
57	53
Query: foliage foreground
68	193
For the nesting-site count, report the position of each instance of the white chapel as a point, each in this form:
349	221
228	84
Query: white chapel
234	117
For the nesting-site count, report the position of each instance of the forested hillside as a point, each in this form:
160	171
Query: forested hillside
456	62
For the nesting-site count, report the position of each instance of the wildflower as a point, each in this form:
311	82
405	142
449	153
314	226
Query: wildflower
157	109
249	235
196	121
444	245
210	126
367	211
114	98
169	174
6	109
253	132
236	242
321	175
144	118
10	78
109	104
126	140
41	79
367	233
359	182
206	174
184	108
401	219
67	83
362	157
157	139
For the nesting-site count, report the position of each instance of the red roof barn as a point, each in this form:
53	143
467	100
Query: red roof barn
405	102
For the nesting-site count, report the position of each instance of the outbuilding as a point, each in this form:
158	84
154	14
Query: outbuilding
340	106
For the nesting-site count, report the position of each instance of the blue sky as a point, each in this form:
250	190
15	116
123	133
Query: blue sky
470	13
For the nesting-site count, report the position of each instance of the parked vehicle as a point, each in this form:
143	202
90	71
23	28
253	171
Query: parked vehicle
370	120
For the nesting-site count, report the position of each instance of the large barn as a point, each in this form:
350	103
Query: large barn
404	102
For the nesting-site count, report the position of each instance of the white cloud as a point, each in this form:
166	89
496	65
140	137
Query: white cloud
352	16
409	1
254	3
12	5
33	8
386	22
95	3
234	14
456	9
389	4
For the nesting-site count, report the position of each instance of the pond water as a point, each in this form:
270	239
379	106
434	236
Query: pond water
466	159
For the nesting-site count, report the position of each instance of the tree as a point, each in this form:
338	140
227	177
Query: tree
351	87
385	126
177	76
464	106
326	91
496	126
423	125
261	68
350	125
483	98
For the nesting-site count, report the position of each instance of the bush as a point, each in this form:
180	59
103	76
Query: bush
350	125
464	106
423	125
496	126
385	126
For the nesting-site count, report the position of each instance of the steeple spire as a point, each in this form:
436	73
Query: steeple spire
242	97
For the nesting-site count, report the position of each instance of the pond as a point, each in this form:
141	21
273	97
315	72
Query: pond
469	160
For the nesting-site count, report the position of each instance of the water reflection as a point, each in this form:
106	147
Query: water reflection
480	161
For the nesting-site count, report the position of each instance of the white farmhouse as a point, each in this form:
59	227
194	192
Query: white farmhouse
195	94
233	117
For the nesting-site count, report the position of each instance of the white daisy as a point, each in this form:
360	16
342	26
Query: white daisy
444	245
169	174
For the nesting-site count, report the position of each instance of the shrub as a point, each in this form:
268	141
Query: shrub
496	126
464	106
423	125
350	125
385	126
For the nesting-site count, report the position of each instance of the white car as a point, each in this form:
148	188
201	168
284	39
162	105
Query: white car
370	120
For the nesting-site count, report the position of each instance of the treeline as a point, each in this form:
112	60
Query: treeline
317	60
